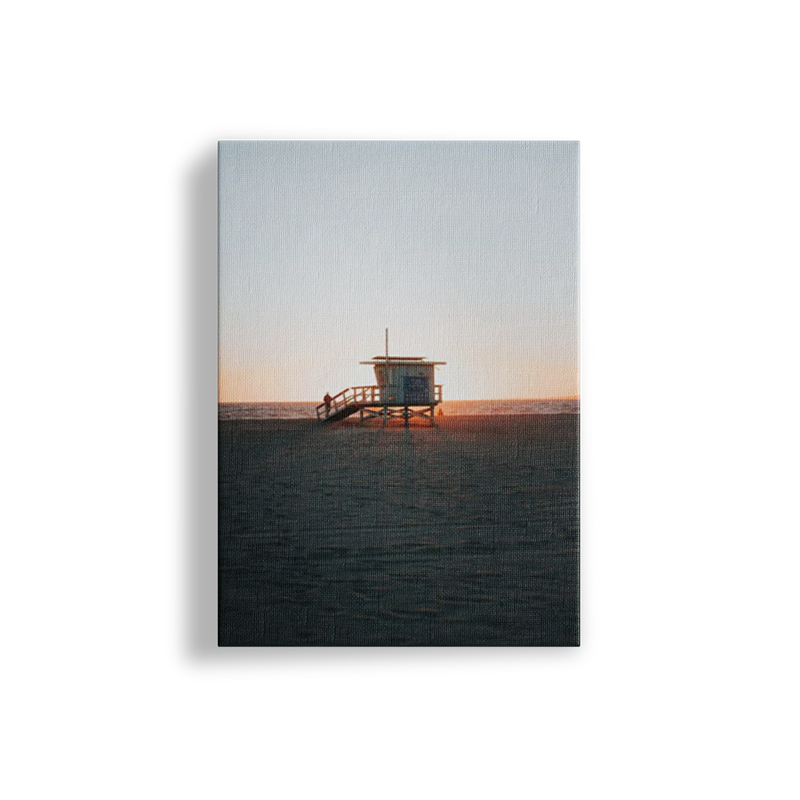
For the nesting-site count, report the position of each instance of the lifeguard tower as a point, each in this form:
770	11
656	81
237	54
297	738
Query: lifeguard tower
405	386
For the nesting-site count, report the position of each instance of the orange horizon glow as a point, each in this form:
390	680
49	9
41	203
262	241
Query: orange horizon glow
263	387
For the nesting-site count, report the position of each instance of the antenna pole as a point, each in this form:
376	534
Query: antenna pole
386	383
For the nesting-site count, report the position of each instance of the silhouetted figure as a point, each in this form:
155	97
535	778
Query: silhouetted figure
327	400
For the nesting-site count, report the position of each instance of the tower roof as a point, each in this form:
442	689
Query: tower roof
396	360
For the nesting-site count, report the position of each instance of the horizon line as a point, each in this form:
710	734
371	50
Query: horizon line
459	400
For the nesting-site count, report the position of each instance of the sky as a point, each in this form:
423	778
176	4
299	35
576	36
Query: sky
466	251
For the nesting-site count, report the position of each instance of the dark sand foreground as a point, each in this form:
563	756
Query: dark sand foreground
341	534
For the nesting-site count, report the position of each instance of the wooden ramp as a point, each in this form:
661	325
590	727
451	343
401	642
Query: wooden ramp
346	411
347	402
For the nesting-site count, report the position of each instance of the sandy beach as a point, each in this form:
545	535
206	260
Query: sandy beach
343	534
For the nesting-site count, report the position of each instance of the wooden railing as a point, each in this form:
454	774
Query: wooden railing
361	396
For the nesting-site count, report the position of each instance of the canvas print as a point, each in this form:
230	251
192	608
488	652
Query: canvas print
399	406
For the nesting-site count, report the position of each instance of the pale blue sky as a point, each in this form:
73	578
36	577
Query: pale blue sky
466	251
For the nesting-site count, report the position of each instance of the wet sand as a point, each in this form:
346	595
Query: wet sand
343	534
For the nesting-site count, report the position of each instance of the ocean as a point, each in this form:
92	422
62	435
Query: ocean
305	410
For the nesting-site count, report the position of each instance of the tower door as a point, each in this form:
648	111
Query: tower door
416	391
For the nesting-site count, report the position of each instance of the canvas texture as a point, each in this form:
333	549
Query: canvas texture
399	400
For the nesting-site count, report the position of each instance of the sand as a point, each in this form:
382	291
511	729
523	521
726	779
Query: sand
348	534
